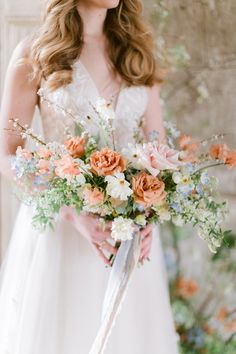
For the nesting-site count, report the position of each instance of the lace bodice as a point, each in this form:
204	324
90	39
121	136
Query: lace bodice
79	97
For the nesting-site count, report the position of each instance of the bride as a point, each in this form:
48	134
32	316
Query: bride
52	284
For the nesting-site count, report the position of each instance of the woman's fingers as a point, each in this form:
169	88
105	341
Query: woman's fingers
145	256
145	252
101	255
99	236
103	226
146	241
108	247
146	231
146	246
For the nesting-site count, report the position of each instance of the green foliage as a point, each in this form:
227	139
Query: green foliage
50	201
200	329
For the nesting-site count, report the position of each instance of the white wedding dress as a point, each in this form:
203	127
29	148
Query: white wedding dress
52	284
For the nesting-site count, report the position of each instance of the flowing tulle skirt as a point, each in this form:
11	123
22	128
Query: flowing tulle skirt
51	292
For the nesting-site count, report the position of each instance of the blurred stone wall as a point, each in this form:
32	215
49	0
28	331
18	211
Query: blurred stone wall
201	95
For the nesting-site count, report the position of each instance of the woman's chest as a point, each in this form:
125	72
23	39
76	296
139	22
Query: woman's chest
60	108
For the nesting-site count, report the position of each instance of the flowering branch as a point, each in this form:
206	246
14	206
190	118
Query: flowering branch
25	131
209	166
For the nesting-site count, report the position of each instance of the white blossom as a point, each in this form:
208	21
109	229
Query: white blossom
177	220
122	229
105	110
140	220
118	187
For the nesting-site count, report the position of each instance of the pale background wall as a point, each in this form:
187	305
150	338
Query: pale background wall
207	29
17	19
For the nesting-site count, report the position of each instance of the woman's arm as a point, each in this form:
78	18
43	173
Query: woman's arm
153	116
18	101
153	121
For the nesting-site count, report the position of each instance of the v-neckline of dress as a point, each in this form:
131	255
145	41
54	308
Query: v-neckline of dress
96	89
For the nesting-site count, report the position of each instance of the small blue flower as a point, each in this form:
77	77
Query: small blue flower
205	178
199	189
177	207
196	336
39	181
190	168
185	189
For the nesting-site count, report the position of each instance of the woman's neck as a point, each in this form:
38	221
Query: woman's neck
93	20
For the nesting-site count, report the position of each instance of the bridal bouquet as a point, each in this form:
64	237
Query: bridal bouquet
146	182
142	183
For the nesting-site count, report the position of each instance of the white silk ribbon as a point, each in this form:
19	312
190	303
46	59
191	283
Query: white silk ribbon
123	267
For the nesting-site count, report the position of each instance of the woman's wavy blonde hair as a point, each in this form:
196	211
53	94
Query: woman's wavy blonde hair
60	41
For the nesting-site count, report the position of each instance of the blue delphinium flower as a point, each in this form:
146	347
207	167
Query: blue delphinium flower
39	181
185	188
199	189
196	336
205	178
189	168
176	206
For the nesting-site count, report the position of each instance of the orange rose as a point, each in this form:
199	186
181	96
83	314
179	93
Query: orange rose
148	190
219	151
230	158
107	162
93	196
25	154
66	166
75	146
188	157
230	326
44	153
187	143
222	314
186	288
208	329
43	166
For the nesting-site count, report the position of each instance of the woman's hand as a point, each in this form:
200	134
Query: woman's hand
146	243
89	227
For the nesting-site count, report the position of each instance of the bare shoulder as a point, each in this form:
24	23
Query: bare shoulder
20	68
22	50
19	81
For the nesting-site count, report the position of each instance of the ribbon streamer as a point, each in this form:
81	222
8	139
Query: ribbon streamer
123	267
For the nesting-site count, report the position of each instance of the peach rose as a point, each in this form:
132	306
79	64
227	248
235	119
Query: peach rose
231	158
187	143
43	166
222	314
25	154
66	166
219	151
107	162
208	329
223	153
230	326
156	157
44	153
186	288
75	146
93	196
188	157
148	190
